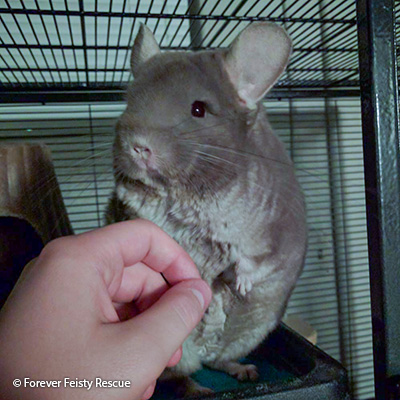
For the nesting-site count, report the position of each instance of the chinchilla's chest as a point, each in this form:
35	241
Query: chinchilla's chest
207	230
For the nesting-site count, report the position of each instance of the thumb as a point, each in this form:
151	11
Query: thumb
163	327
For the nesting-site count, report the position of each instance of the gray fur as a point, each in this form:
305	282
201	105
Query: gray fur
223	186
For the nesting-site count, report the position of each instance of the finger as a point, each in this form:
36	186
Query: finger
140	288
164	327
141	285
149	391
127	243
175	358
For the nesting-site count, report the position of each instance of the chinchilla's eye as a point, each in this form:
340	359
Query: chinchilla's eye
198	109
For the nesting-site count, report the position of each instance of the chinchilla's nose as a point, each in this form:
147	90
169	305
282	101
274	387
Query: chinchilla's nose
143	151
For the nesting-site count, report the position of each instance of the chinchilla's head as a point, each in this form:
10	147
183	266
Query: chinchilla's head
189	115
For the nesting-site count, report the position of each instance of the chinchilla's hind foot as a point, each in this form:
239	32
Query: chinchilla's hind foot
242	372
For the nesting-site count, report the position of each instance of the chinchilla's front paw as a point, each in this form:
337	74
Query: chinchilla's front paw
243	284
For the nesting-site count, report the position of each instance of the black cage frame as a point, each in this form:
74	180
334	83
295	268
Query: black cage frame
369	70
379	95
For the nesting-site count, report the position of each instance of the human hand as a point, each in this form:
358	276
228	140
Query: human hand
65	317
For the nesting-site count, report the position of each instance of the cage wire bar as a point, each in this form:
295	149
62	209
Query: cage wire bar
379	94
39	58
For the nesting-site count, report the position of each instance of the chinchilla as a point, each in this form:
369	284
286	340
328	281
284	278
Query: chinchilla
194	153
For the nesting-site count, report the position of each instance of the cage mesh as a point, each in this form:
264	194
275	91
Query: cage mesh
84	45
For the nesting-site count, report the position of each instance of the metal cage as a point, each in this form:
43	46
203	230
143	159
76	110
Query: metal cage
64	68
81	47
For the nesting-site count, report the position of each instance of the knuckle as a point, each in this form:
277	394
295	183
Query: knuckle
57	247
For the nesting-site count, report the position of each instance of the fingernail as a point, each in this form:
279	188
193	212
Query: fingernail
202	292
199	296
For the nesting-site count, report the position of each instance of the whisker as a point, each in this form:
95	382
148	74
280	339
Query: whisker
62	180
215	157
46	180
246	153
285	192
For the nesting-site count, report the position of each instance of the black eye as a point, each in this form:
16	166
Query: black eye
198	109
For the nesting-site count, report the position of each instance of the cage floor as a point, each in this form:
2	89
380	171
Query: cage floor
221	382
290	368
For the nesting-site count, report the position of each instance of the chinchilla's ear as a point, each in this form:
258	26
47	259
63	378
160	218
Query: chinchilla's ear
256	59
145	47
